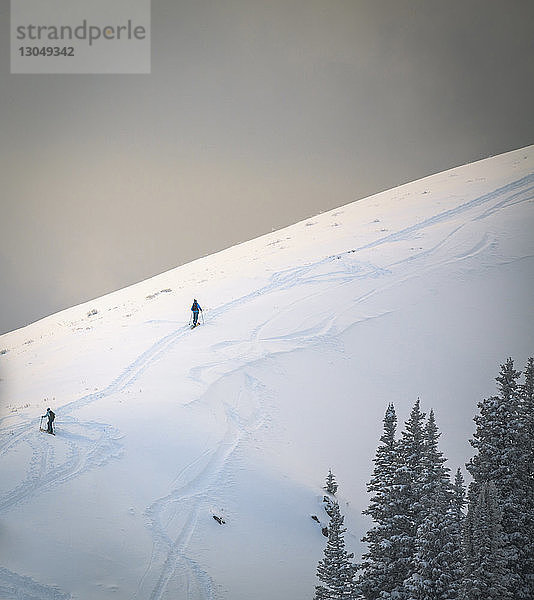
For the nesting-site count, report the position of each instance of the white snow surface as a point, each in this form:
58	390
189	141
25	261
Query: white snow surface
420	291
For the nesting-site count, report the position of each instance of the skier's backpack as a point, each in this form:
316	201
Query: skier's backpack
52	416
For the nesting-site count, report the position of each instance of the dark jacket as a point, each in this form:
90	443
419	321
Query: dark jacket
50	414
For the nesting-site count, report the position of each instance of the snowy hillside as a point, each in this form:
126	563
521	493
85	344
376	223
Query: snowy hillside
420	291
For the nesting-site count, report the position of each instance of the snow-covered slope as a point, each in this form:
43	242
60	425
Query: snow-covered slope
421	291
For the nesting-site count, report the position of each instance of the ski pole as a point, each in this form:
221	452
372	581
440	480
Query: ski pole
41	423
202	313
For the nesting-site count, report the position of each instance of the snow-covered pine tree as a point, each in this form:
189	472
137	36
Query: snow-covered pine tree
331	485
458	522
502	458
458	498
434	566
336	570
527	388
377	575
526	394
395	508
486	572
331	489
409	490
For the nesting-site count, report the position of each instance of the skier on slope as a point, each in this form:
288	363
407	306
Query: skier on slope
51	416
195	309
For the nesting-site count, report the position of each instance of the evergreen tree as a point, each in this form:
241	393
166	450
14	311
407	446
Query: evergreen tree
435	478
395	508
458	521
412	443
496	435
527	389
377	575
526	393
435	563
486	572
335	570
502	458
409	488
507	381
331	485
458	498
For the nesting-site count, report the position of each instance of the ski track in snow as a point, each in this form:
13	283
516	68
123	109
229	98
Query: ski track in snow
197	492
91	444
517	191
18	587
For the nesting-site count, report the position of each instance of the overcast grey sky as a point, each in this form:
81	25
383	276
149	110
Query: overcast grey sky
256	114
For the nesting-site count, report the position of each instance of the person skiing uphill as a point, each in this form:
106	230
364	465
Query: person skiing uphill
51	416
195	309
